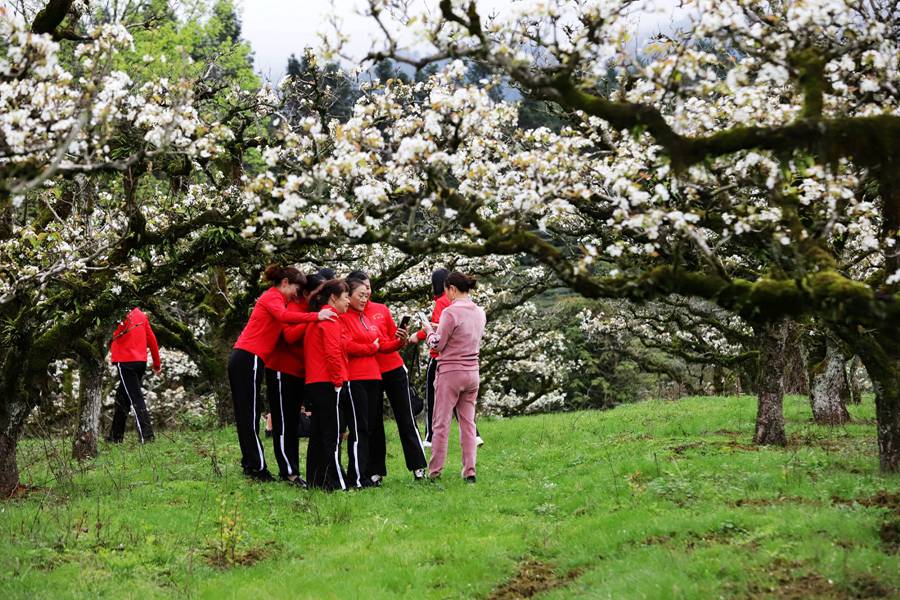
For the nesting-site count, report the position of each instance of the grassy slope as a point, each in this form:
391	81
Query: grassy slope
646	501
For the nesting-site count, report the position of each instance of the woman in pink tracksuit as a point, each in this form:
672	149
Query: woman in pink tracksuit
457	339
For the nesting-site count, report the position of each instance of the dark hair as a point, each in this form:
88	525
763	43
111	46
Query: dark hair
326	273
332	287
313	281
275	273
438	277
355	282
360	275
460	281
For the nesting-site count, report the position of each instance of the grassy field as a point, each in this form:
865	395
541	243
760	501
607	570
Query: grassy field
653	500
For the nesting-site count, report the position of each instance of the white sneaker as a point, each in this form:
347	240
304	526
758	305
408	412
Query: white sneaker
419	474
427	444
478	441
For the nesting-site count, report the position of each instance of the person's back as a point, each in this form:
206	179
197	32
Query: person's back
461	339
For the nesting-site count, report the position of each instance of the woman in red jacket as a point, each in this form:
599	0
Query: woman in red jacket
395	385
246	365
365	382
129	347
326	387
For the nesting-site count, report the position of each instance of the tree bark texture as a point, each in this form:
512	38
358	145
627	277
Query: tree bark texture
90	396
829	390
772	339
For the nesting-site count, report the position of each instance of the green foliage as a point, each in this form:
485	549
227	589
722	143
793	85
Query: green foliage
651	500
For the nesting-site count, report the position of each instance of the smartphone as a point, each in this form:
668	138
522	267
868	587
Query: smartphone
404	322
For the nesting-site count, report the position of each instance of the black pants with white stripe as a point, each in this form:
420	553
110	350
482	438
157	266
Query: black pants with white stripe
356	416
430	376
245	373
130	397
285	395
323	455
395	384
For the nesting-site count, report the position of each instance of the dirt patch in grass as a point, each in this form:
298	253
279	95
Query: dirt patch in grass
793	580
237	558
728	534
778	501
890	535
533	577
881	499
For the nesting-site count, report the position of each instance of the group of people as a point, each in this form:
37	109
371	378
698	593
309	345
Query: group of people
325	347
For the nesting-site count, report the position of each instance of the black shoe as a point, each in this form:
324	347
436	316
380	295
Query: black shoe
148	439
263	475
298	481
112	440
470	479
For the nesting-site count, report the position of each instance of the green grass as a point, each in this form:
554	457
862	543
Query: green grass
652	500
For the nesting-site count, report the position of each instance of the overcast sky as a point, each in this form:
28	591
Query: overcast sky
276	28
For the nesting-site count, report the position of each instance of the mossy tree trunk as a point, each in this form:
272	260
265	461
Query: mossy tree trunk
829	390
90	399
772	339
853	367
880	354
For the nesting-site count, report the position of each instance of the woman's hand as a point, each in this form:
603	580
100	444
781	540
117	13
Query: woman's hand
326	314
402	334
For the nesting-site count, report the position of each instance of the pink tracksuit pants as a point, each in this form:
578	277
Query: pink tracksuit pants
454	389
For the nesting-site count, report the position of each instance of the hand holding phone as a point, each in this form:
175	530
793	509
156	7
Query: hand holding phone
404	322
426	323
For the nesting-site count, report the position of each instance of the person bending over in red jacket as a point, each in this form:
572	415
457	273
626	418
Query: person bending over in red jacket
129	347
246	365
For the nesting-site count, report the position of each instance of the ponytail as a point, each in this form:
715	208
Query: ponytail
460	281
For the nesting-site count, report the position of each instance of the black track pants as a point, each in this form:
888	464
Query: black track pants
395	384
284	393
430	374
130	397
356	415
323	455
245	373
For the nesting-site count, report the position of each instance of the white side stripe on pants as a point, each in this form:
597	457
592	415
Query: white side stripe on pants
412	417
355	438
137	421
281	437
254	423
337	446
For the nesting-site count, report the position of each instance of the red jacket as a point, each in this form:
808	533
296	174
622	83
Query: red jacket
361	347
132	338
269	316
287	356
388	356
324	351
440	303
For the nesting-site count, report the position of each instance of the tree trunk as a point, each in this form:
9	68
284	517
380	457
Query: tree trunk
853	380
14	410
880	354
90	396
795	363
718	380
772	338
828	388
